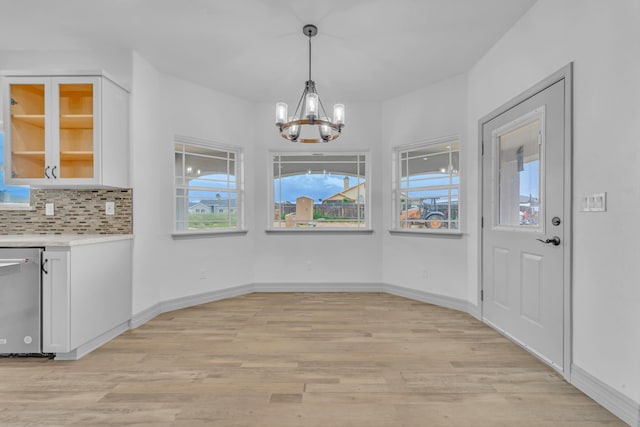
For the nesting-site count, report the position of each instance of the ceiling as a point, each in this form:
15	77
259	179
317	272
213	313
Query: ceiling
365	50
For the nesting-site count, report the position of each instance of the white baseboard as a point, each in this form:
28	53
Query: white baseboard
317	287
620	405
91	345
422	296
192	300
144	316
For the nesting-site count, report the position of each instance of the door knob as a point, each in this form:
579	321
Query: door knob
555	241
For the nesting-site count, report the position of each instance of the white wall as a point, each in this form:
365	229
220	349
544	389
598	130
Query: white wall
148	183
305	258
166	268
602	40
426	262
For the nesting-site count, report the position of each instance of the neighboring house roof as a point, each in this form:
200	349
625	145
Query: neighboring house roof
351	194
193	205
216	202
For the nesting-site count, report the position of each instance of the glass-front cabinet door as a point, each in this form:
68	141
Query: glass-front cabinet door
76	129
28	130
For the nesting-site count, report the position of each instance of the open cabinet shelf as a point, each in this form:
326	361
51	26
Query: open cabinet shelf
32	119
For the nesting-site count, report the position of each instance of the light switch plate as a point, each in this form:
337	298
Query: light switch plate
49	209
110	208
596	202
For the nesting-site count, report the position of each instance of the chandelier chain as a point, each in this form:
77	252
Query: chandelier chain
309	57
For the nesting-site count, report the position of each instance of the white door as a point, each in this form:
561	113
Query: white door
523	233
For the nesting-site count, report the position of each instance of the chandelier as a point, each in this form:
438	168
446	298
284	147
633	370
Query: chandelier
310	112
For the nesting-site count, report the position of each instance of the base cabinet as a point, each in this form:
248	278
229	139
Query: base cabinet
86	292
56	291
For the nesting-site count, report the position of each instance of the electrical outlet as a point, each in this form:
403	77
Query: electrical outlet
110	208
49	209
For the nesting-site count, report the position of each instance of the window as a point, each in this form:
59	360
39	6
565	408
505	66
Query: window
319	191
11	196
208	186
427	186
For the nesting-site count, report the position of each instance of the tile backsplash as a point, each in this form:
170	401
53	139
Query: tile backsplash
75	212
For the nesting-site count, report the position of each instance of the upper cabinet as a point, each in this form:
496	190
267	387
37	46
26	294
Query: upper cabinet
66	132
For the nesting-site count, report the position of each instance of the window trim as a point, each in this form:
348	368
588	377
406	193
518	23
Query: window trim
396	188
240	227
319	230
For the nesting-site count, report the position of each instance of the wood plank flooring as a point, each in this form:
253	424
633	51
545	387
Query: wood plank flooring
299	359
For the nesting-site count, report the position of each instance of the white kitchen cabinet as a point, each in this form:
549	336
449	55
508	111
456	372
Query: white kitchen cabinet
56	291
86	296
65	131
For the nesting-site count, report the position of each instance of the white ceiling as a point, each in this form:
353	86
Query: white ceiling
255	49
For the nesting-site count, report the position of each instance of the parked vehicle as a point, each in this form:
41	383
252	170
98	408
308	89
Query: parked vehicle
422	216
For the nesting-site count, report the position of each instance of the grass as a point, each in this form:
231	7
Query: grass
211	220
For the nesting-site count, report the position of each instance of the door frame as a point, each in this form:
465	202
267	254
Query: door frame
566	74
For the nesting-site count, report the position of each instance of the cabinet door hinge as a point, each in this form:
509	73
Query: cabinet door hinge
482	222
481	294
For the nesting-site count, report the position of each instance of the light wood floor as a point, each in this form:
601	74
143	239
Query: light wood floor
299	359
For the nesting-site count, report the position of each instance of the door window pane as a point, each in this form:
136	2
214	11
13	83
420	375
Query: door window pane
519	168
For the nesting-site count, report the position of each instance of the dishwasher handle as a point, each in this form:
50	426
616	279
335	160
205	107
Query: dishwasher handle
14	260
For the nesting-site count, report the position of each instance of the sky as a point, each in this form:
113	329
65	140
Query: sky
529	179
316	186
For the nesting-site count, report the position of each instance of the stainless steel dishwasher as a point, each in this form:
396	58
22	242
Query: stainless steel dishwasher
20	301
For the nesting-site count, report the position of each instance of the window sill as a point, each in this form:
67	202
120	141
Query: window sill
16	207
204	234
450	234
323	230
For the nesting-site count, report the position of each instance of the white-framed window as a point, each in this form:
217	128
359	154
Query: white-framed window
12	196
314	191
209	189
426	186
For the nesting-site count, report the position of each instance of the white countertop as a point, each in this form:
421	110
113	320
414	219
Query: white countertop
44	240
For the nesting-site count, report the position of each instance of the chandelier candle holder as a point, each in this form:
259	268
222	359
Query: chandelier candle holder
310	112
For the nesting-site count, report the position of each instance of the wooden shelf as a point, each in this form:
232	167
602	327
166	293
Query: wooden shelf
29	153
76	121
76	155
32	119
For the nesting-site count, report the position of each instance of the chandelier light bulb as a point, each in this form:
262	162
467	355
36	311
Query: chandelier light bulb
325	130
294	130
281	113
311	105
338	114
